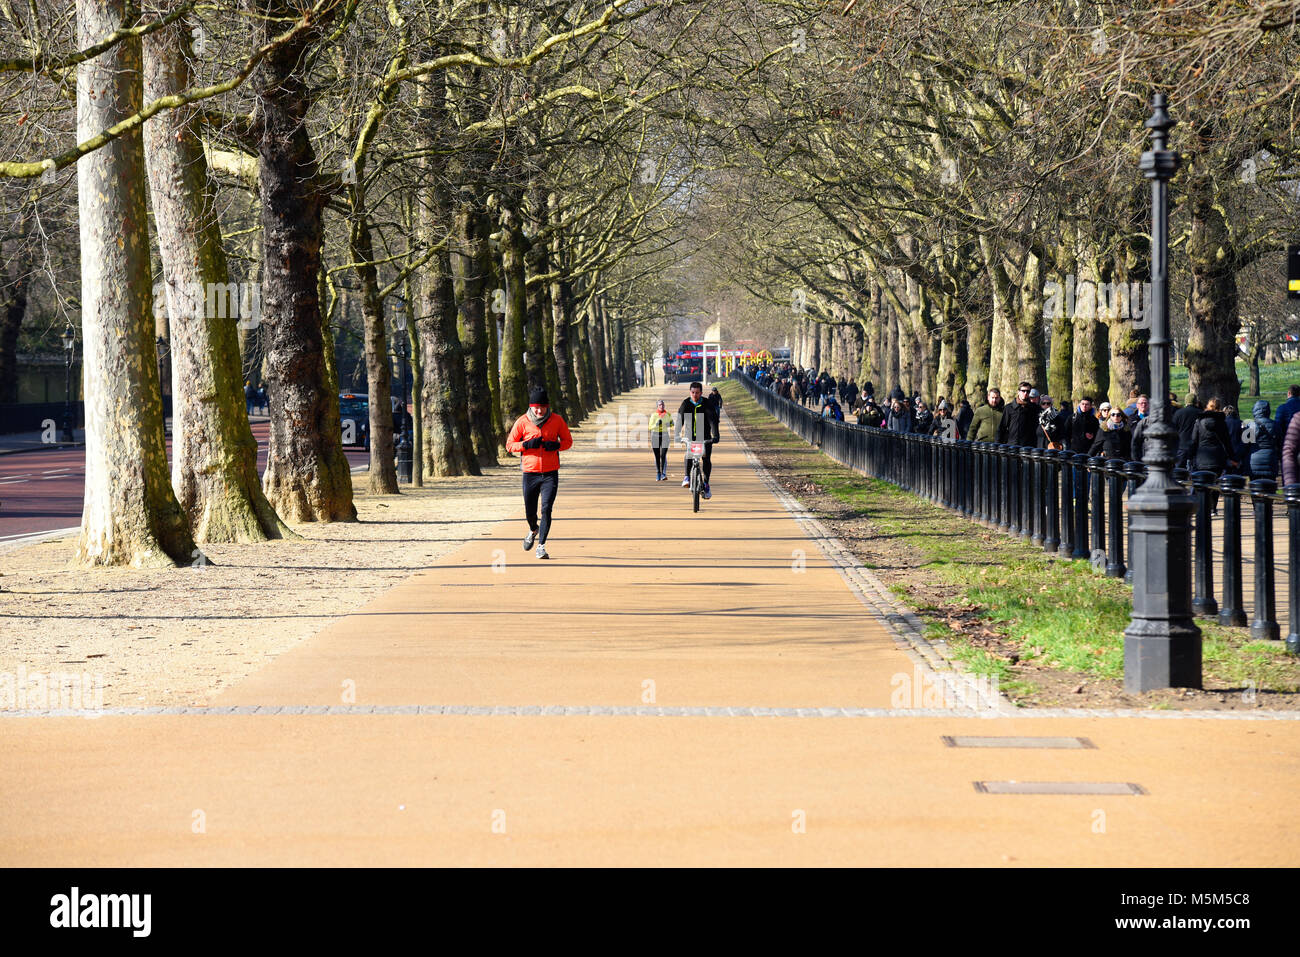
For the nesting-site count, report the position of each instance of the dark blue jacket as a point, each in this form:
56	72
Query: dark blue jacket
1284	412
1265	451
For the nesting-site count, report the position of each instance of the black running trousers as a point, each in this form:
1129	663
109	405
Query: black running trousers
540	486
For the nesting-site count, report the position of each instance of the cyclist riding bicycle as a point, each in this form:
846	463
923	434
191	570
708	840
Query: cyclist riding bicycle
698	422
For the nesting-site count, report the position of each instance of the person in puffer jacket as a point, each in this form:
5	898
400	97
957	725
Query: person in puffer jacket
1263	452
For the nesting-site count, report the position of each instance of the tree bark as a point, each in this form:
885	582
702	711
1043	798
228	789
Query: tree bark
470	268
597	337
1032	363
13	309
515	380
214	454
978	346
1213	304
130	515
307	475
1091	372
382	478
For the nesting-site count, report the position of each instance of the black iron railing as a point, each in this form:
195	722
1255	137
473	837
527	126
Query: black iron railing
1073	506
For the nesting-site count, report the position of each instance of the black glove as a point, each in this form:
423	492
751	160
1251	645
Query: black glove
551	446
533	443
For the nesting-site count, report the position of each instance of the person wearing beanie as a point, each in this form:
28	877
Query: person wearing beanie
538	437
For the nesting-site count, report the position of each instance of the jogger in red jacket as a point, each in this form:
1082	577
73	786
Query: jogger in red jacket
539	436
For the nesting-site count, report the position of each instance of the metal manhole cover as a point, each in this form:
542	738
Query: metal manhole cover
1058	787
991	741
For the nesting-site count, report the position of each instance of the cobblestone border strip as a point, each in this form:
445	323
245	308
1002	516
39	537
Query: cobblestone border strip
907	630
635	711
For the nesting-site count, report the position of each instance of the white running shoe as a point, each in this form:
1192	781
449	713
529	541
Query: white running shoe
541	552
686	483
528	542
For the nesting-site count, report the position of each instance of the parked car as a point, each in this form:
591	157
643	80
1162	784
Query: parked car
354	411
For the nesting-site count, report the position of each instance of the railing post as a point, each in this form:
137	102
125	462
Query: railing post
1081	506
964	477
1024	454
1203	602
1292	495
1004	492
1096	467
1052	466
987	485
1265	626
1036	497
1133	473
1066	548
1232	613
1015	466
1115	555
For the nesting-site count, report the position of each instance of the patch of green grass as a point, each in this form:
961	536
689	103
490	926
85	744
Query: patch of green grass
1273	382
1242	662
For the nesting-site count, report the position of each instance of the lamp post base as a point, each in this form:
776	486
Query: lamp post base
1162	645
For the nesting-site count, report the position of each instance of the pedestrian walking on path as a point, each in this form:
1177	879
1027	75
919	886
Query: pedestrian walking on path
661	439
539	436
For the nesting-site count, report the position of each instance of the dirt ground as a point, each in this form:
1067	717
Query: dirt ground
900	564
179	636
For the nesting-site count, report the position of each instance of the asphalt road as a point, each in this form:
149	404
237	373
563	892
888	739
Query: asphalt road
42	491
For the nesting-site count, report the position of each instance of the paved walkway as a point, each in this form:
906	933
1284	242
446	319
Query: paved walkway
671	688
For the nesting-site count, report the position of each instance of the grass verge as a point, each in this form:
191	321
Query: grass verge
1050	630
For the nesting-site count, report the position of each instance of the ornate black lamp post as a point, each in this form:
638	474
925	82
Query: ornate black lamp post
404	441
1162	645
69	348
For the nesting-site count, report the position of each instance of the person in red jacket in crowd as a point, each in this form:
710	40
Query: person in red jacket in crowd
538	437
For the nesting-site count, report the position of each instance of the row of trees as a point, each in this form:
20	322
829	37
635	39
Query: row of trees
918	179
490	172
534	189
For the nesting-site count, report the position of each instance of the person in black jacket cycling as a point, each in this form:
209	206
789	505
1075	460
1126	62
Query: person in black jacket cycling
697	419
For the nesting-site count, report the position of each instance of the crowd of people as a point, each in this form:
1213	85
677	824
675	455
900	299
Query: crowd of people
1212	437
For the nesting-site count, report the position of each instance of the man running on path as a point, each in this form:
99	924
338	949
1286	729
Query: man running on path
539	436
698	420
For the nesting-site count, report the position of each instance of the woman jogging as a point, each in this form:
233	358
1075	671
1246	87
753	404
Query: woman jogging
661	439
539	436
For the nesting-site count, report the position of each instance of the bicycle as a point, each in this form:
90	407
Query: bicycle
696	453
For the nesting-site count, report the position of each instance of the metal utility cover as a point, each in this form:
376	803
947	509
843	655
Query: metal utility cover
1012	741
1058	787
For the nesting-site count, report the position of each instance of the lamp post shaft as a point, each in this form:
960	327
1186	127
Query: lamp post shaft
1162	645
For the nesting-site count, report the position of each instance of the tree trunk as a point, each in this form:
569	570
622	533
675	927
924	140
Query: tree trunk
1032	363
417	372
448	444
130	516
1060	371
596	332
1130	365
515	380
214	454
1091	372
382	479
470	268
1003	365
307	478
584	361
1212	306
13	309
562	317
978	346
